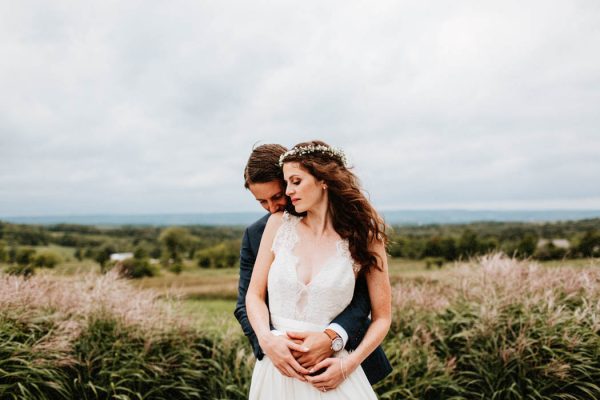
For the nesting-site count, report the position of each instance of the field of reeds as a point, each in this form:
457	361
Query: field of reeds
494	328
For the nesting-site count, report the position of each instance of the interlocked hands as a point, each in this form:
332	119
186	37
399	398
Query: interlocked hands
307	356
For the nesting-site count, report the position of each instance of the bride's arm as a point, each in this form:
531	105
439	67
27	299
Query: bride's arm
256	306
277	348
380	293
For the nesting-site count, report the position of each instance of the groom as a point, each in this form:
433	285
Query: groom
264	178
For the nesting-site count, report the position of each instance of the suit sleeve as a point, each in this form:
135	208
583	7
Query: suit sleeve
247	259
355	318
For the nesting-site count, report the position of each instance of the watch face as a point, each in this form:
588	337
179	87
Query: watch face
337	344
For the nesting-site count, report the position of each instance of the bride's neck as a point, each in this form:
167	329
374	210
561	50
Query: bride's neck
318	220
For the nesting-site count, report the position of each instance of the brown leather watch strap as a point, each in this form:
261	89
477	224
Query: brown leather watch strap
331	333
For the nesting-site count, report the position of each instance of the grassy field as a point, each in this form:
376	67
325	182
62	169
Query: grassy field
206	289
221	284
209	296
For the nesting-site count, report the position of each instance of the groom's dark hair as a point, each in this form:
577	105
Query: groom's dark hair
263	164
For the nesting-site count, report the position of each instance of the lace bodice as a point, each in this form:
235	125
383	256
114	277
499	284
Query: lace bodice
325	296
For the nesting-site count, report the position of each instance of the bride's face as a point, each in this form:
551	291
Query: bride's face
305	191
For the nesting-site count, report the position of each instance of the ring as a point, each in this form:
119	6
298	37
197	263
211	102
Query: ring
323	388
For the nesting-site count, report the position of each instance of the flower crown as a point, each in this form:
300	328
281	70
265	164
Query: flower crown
300	151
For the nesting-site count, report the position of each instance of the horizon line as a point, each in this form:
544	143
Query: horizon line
386	210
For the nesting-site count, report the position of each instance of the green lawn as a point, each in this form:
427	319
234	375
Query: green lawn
196	283
209	314
577	263
66	253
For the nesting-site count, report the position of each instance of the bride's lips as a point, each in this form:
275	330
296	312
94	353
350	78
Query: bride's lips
294	200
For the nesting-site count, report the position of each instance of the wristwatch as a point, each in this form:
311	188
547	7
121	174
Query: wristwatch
336	341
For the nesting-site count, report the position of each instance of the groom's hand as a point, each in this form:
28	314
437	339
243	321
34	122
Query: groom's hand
279	350
318	343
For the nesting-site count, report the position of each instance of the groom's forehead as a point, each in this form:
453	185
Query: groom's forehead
266	190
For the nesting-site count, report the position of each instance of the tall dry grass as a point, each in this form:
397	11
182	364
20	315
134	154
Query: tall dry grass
73	303
497	328
98	337
493	328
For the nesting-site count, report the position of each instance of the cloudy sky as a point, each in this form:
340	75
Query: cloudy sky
154	106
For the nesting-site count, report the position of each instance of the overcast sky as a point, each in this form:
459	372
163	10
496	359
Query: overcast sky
154	106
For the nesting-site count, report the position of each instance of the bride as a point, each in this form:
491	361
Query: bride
307	266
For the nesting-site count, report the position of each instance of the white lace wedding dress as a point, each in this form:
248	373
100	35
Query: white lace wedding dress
295	306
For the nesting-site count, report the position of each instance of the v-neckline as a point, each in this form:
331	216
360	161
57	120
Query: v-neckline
323	266
336	254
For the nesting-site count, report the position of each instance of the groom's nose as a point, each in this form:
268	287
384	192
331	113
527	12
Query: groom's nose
273	207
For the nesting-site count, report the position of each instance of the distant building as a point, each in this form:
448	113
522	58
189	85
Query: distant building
560	243
119	257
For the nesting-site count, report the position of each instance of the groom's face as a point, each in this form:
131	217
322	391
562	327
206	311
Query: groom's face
270	195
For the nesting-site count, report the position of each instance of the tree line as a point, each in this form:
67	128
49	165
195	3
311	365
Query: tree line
152	247
541	241
219	247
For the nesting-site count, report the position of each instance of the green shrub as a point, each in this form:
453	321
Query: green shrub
102	255
549	251
3	252
176	268
24	255
526	247
222	255
589	245
175	241
46	258
136	268
431	261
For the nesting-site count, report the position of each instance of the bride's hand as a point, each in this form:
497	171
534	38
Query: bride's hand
319	344
279	350
333	375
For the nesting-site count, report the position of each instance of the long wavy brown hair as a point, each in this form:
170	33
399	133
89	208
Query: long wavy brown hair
353	217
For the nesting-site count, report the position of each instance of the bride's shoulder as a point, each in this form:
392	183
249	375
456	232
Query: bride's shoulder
281	217
275	220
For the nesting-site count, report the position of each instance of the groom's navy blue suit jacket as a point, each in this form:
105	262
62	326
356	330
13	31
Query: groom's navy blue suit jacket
354	319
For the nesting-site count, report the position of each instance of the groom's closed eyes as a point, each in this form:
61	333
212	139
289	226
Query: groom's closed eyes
274	199
270	195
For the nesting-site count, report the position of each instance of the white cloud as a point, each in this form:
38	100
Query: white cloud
154	107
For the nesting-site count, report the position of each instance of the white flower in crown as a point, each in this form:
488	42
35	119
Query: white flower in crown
332	151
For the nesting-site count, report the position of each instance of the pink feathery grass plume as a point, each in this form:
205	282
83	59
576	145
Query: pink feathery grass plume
72	303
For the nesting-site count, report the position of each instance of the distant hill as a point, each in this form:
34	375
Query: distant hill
420	217
228	219
393	217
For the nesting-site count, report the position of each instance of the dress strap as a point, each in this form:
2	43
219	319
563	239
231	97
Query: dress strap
343	249
286	236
